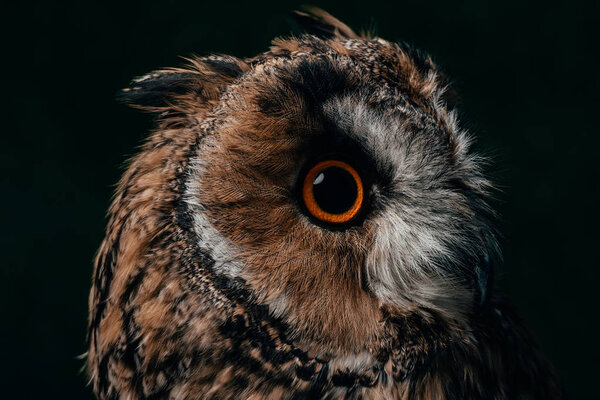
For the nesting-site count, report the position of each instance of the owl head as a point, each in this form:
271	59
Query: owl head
327	181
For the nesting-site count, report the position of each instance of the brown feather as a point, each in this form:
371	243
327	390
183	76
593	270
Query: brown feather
318	22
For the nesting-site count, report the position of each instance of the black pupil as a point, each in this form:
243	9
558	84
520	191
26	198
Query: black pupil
335	190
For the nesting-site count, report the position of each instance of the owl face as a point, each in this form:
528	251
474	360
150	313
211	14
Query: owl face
330	175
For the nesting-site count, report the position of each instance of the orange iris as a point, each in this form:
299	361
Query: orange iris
344	185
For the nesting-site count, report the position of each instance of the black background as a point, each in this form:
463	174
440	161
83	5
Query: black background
527	73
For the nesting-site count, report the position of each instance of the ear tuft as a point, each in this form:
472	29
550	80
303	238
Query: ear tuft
155	89
317	22
202	80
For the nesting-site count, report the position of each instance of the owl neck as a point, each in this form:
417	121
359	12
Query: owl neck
405	344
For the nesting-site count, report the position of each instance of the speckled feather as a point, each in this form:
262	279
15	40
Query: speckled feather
211	283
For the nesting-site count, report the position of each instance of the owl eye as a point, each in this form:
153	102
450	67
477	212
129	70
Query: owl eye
332	192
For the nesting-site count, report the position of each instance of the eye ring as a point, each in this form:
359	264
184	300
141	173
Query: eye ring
308	194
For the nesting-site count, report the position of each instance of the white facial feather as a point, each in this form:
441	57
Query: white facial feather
221	250
415	228
352	362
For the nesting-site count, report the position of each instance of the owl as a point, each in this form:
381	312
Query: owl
307	223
